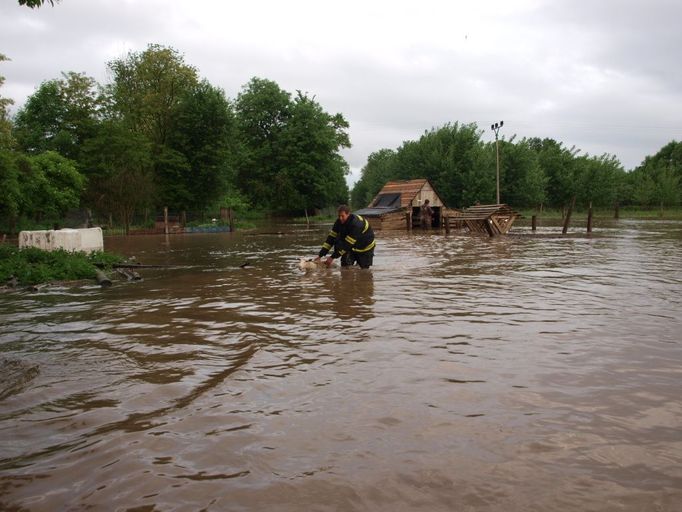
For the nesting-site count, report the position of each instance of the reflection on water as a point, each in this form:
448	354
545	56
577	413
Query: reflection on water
529	372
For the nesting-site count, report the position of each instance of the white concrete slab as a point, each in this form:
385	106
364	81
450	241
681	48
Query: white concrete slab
87	240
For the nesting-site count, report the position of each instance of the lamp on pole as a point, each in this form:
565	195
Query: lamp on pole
496	128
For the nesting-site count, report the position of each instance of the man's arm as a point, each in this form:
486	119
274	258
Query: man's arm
330	241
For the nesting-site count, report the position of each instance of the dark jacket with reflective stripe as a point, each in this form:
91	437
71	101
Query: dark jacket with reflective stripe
353	235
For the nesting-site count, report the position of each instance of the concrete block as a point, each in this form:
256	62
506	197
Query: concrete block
41	239
67	239
91	239
86	240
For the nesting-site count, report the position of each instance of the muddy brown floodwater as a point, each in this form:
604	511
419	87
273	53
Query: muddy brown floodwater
523	373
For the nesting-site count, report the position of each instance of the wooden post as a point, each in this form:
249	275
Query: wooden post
165	220
446	221
534	222
307	220
616	213
183	218
230	216
408	219
567	220
589	218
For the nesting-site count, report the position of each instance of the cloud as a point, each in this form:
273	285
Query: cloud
602	76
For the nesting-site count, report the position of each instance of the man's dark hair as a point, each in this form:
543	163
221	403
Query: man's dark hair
343	208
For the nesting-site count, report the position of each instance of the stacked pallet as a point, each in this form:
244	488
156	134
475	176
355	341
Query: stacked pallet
486	219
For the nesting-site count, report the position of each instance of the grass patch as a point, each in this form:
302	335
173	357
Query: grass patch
34	266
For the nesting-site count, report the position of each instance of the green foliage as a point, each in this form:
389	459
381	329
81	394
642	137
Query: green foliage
312	173
533	172
158	136
205	133
262	109
36	3
11	197
147	89
32	266
597	180
522	180
234	199
377	171
6	139
51	184
60	116
119	167
452	157
289	149
658	180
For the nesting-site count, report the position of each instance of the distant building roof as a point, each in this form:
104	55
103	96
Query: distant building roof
377	211
407	189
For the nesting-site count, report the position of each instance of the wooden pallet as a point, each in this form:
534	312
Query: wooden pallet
488	219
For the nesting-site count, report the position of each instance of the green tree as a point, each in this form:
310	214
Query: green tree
147	89
6	140
522	181
659	177
452	157
119	166
262	111
667	187
642	188
597	180
312	172
51	185
446	156
11	198
205	134
558	166
147	95
379	169
37	3
60	116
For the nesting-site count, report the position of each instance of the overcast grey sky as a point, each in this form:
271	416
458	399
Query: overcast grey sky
601	75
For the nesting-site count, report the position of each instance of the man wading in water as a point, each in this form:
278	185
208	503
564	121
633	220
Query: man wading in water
352	239
427	215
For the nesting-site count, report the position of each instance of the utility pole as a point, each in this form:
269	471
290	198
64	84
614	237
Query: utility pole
496	128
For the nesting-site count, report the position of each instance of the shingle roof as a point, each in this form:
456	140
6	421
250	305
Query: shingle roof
407	190
376	212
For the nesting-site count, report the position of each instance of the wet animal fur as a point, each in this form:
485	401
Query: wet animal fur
310	264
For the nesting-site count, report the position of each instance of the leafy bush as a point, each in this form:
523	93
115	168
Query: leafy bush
32	266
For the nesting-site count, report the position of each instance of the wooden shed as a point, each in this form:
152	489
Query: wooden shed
398	205
485	219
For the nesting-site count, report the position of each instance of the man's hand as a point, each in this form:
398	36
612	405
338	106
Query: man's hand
329	261
316	259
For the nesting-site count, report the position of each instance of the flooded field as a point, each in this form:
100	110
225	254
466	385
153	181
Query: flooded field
524	373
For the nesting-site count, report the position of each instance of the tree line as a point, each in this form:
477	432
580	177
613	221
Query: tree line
534	172
158	135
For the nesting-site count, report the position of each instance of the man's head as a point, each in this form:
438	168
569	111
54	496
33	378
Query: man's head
426	202
343	212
